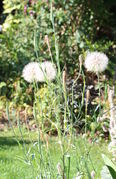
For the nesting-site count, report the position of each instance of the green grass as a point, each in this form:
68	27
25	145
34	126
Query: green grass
14	165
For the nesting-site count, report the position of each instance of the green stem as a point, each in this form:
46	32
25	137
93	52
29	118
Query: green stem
99	93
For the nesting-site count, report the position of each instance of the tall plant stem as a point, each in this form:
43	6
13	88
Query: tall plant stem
99	93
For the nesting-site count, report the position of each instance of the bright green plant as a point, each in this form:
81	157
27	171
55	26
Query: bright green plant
47	107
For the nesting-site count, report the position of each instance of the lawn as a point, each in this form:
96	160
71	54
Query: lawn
14	155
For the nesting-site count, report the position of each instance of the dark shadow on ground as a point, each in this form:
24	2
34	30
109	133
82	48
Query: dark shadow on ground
12	141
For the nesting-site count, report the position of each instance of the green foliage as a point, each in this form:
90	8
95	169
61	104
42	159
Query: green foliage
74	25
75	28
47	107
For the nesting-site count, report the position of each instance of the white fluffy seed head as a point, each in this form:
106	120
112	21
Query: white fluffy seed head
49	71
31	72
34	71
96	62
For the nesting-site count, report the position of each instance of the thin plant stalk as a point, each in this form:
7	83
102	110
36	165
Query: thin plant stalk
99	93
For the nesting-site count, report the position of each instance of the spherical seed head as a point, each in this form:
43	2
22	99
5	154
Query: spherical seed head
49	71
96	62
32	72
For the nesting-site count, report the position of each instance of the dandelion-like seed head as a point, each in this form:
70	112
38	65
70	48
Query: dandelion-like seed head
31	72
48	70
35	71
96	62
